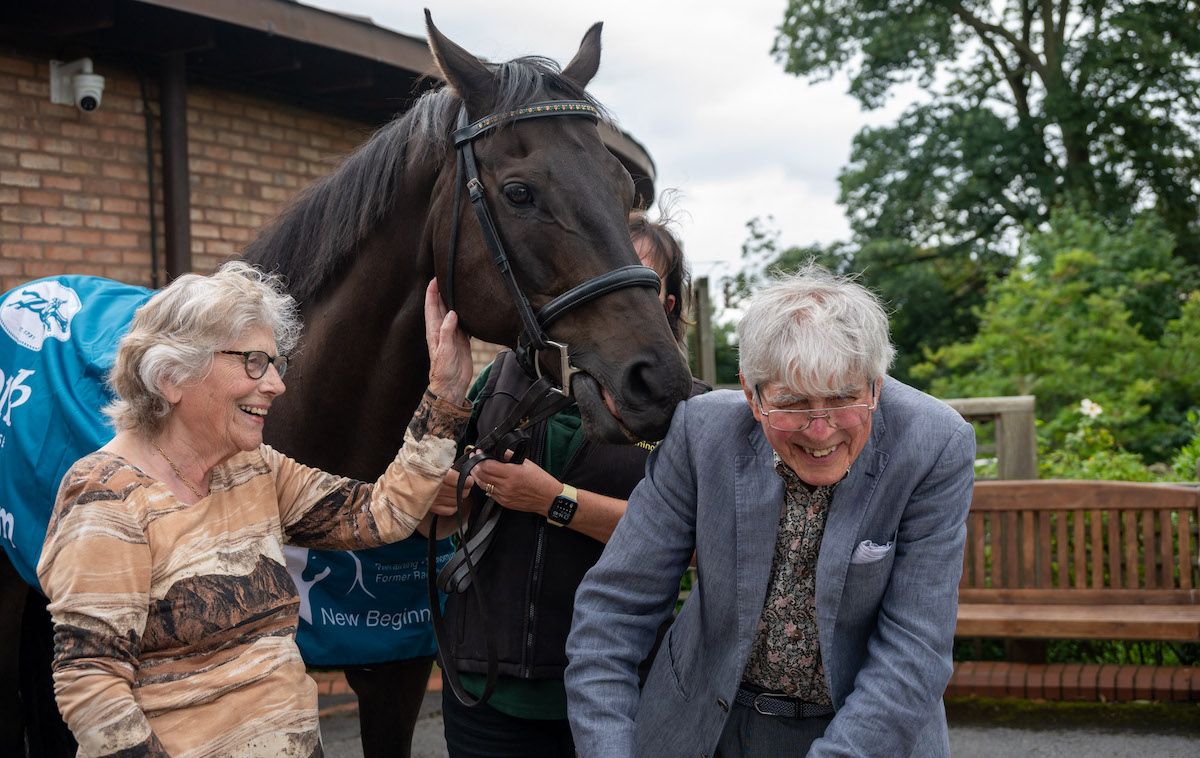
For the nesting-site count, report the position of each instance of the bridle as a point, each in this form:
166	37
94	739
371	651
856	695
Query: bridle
533	338
543	399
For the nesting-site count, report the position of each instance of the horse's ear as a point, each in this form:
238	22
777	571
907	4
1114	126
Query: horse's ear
465	73
586	62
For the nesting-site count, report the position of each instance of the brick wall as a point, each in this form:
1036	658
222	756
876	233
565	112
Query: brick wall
74	188
482	353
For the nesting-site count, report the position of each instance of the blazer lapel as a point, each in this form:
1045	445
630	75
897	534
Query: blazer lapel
851	503
758	500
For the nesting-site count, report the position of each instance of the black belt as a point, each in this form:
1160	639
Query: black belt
774	704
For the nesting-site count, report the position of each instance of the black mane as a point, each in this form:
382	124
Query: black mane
320	229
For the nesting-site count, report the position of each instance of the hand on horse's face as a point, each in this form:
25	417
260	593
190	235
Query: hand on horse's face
450	365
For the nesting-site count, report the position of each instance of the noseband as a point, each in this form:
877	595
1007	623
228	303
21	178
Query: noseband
533	338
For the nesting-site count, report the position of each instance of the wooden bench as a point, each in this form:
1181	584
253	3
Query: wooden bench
1050	559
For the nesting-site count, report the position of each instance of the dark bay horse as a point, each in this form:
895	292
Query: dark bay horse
358	247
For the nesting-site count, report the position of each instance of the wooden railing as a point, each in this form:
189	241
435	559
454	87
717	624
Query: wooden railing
1016	431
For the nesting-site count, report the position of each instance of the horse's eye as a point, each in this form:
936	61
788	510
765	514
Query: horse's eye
518	194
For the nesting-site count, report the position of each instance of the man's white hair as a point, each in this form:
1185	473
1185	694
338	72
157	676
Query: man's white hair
814	332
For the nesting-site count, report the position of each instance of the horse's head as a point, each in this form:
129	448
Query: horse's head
560	202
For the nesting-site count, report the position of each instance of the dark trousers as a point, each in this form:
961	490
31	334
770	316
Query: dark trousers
750	734
389	702
484	732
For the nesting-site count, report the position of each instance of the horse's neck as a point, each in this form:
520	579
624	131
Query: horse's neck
363	364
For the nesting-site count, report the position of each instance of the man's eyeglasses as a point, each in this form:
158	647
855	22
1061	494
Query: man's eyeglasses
838	417
257	361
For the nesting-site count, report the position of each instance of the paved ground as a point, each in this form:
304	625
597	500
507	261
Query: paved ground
1028	731
339	730
1022	729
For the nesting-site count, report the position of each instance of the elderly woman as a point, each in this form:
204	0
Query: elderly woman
174	614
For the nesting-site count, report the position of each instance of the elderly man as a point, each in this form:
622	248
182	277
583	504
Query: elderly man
826	510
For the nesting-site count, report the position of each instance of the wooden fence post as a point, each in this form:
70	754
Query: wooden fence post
1016	433
706	349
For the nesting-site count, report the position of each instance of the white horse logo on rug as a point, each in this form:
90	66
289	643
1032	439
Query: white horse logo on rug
297	561
39	310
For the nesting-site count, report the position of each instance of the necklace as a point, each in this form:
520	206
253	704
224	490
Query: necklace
171	463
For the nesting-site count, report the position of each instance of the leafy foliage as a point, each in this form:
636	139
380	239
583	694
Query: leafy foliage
1135	652
1186	463
1090	312
1033	105
725	347
1090	451
1030	107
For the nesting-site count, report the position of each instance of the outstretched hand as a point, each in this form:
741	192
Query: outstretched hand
450	366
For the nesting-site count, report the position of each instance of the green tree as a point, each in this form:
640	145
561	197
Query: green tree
1137	258
725	342
1063	327
1032	105
931	298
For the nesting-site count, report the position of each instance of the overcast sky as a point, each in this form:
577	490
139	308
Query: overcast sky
694	83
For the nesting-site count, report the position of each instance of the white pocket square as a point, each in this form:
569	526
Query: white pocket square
869	552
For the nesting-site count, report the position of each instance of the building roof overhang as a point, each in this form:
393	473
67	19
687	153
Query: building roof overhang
314	58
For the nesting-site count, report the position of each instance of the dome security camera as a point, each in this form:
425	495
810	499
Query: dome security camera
88	90
74	84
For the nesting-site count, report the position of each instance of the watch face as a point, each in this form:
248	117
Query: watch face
562	510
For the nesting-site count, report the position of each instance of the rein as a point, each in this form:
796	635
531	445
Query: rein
539	403
543	399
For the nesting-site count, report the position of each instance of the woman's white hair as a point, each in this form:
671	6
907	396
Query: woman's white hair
175	333
813	332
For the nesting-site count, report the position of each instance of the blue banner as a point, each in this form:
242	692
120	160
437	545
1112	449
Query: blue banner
59	340
366	606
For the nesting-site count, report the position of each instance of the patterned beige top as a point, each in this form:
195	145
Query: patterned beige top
175	624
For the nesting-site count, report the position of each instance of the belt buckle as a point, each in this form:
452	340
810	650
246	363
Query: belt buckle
768	695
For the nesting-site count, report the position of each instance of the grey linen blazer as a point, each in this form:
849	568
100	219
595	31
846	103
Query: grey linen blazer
886	627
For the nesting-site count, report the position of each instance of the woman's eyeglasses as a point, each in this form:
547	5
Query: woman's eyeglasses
257	361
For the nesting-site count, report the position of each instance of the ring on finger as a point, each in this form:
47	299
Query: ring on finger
487	490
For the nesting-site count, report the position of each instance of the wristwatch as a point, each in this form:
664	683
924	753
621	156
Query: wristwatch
562	510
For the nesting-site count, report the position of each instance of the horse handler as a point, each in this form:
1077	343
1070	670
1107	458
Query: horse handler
174	615
826	506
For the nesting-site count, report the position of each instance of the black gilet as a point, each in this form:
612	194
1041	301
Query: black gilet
529	576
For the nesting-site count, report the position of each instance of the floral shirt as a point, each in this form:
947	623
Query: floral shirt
786	654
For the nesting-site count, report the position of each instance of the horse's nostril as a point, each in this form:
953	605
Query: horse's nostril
640	381
657	382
